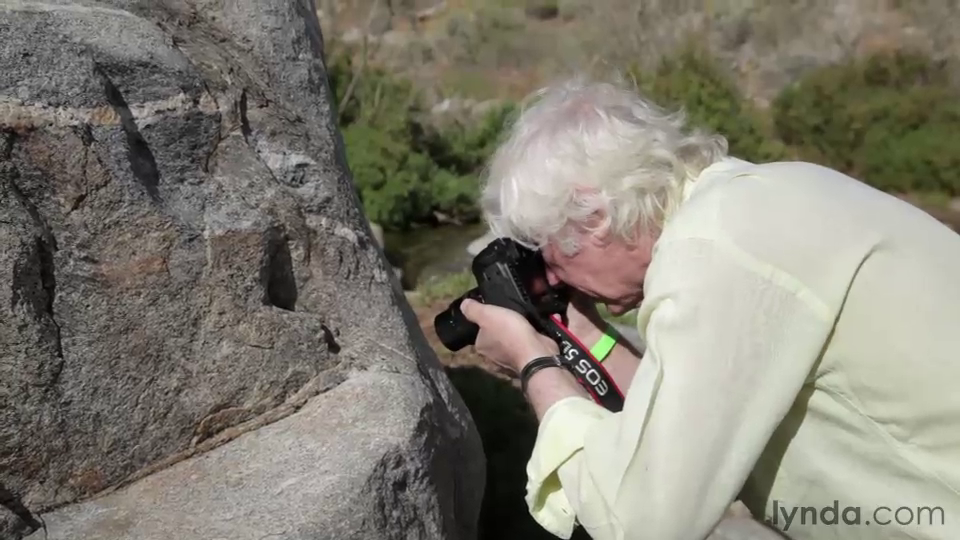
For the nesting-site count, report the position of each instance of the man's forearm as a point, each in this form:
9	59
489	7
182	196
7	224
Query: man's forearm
622	361
621	364
551	385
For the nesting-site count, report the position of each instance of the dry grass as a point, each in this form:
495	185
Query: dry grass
494	48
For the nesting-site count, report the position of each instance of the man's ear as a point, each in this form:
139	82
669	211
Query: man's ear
595	230
600	238
599	234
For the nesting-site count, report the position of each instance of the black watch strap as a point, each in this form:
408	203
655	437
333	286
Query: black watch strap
536	365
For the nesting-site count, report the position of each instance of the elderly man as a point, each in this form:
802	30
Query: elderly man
802	332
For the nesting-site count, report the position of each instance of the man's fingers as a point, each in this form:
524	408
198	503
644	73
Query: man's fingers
485	314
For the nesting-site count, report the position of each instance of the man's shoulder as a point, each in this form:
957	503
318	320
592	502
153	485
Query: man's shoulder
739	197
735	181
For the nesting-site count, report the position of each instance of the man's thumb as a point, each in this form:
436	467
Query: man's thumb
472	310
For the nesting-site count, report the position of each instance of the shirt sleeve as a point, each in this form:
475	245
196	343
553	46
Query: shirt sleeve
731	340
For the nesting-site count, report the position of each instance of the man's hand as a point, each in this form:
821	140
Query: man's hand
506	338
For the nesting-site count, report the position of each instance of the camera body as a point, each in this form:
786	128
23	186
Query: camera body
508	275
512	276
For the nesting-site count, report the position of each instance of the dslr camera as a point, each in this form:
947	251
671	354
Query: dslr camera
512	276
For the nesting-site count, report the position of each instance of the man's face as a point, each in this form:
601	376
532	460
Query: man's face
609	271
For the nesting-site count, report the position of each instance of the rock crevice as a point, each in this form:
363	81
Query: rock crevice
142	162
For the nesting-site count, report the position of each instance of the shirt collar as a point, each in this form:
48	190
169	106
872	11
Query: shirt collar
724	165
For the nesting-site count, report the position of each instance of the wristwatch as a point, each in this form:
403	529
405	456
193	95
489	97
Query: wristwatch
536	365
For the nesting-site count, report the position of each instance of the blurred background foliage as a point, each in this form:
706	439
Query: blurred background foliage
889	119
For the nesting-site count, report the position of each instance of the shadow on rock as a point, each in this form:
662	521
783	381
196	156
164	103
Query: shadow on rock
508	428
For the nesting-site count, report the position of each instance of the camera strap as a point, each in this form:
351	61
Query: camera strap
584	366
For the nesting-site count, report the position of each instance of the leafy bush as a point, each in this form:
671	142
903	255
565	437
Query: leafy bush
711	100
463	147
888	119
406	171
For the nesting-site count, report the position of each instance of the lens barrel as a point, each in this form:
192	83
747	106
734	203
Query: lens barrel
452	326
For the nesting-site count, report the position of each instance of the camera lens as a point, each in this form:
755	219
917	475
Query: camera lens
452	326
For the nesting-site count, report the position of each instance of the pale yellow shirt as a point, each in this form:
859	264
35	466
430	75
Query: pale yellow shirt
802	337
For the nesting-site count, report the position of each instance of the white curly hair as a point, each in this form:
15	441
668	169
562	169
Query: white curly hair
582	147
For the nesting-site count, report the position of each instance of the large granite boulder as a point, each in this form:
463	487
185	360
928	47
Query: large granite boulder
199	337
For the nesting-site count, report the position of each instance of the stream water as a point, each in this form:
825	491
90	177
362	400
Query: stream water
429	252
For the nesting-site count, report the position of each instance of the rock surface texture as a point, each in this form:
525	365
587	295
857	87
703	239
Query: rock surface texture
199	337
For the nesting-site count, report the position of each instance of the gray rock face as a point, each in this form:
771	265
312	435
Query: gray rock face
290	479
195	322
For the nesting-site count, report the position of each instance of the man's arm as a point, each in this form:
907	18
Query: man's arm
548	386
622	361
730	341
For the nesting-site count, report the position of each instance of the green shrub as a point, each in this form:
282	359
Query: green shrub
392	180
710	100
464	146
888	119
406	171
